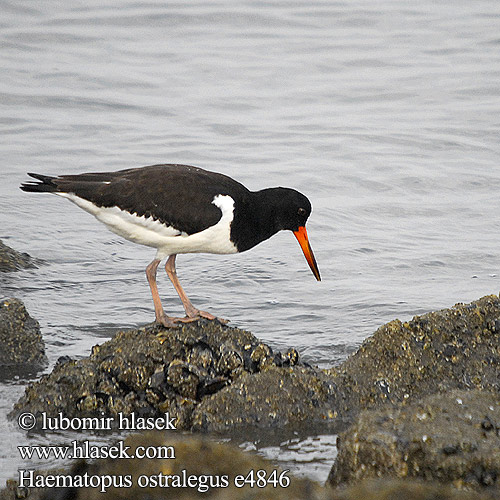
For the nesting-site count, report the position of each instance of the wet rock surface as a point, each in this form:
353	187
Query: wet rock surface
12	260
451	438
456	348
211	467
277	397
154	370
395	372
214	378
209	463
205	463
21	344
397	489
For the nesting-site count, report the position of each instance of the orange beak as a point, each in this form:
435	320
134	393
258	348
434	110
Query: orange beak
301	235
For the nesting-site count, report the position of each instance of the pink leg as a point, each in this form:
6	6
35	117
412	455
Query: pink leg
160	316
191	312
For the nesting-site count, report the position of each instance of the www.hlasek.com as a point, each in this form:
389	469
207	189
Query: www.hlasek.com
85	450
28	478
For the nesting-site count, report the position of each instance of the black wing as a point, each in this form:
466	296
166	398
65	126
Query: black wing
176	195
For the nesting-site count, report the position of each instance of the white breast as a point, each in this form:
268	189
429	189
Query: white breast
166	239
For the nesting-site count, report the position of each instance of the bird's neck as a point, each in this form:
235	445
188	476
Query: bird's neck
255	219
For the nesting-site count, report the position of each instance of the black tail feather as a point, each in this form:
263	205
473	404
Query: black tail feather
45	184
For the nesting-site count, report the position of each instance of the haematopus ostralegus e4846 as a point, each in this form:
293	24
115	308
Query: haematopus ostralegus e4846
183	209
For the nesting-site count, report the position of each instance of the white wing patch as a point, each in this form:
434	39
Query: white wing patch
166	239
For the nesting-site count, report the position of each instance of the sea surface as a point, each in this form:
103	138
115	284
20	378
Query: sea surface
385	114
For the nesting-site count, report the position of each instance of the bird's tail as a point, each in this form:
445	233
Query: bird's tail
43	184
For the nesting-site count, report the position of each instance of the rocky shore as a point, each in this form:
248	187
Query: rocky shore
21	344
417	406
208	376
456	348
212	377
200	463
450	437
12	260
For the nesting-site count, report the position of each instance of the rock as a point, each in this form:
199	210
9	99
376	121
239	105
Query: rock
451	438
21	344
11	260
392	489
200	459
207	462
456	348
212	377
275	398
216	379
153	370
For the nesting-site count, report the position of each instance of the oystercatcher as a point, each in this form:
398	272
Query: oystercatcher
183	209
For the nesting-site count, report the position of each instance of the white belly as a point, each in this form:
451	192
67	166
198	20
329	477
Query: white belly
166	239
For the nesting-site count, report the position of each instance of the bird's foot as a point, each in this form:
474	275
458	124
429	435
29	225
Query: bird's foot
172	322
200	314
193	314
167	321
197	314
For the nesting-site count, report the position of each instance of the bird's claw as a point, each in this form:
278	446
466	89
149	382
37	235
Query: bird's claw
167	321
206	315
172	322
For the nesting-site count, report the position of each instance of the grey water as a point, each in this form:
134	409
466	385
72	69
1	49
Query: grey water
385	114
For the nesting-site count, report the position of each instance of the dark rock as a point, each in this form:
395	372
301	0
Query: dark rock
275	397
212	377
203	460
12	260
451	438
21	344
397	489
457	348
215	378
155	370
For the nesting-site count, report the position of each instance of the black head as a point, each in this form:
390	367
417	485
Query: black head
292	209
289	210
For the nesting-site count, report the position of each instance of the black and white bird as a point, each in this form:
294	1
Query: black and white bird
183	209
